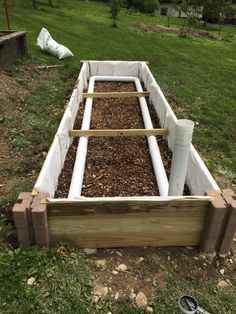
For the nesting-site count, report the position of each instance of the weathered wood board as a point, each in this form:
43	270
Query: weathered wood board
131	223
12	44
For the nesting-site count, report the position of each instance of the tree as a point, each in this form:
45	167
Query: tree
169	14
146	6
192	10
222	7
215	11
116	6
177	6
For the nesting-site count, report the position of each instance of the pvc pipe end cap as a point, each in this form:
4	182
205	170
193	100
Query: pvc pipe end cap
185	125
184	131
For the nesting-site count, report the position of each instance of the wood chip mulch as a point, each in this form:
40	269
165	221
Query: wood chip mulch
115	166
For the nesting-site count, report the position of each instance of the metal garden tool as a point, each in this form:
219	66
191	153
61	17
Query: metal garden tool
189	305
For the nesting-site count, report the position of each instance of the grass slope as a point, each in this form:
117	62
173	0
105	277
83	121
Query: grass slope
198	77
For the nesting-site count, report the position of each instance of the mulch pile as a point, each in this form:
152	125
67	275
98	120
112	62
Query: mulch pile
115	166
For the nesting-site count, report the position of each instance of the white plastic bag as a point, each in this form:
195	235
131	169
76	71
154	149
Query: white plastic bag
46	43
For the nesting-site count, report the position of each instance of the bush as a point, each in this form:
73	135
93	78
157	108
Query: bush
146	6
115	9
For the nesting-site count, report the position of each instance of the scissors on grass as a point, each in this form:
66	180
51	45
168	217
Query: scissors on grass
189	305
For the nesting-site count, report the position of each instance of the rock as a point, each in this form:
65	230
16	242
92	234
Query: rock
149	309
100	291
90	251
122	267
95	299
115	272
118	253
196	258
189	248
222	271
223	284
141	300
100	262
109	313
231	261
31	281
132	294
140	259
116	297
217	263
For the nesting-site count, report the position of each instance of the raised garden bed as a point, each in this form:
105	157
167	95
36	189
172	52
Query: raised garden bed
116	197
12	44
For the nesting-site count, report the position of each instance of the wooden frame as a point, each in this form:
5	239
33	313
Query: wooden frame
208	222
12	44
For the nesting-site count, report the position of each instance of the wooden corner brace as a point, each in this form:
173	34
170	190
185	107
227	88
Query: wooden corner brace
30	218
220	224
230	222
22	218
214	223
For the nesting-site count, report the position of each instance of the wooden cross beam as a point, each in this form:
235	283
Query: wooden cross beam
118	132
116	94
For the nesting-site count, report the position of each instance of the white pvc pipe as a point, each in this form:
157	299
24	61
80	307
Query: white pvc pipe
181	148
78	172
81	153
158	166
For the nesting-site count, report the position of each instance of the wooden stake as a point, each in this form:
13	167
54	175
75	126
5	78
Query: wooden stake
118	132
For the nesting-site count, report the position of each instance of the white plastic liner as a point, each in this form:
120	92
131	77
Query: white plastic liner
48	178
198	176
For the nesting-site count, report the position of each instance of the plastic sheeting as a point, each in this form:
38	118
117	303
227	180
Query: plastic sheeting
198	177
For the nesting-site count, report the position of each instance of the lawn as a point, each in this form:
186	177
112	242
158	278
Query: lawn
198	77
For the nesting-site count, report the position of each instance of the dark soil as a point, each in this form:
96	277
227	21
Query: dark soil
115	166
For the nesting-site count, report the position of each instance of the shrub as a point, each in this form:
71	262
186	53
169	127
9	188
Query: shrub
115	9
146	6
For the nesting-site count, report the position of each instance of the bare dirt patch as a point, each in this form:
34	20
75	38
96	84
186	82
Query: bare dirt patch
146	269
14	86
178	30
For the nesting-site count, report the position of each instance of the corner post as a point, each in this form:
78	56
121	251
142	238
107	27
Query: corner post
230	224
22	218
214	223
39	218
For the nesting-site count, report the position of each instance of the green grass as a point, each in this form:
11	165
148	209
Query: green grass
62	281
198	77
200	74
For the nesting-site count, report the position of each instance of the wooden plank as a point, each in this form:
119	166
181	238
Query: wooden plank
116	94
128	223
132	229
118	132
173	207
